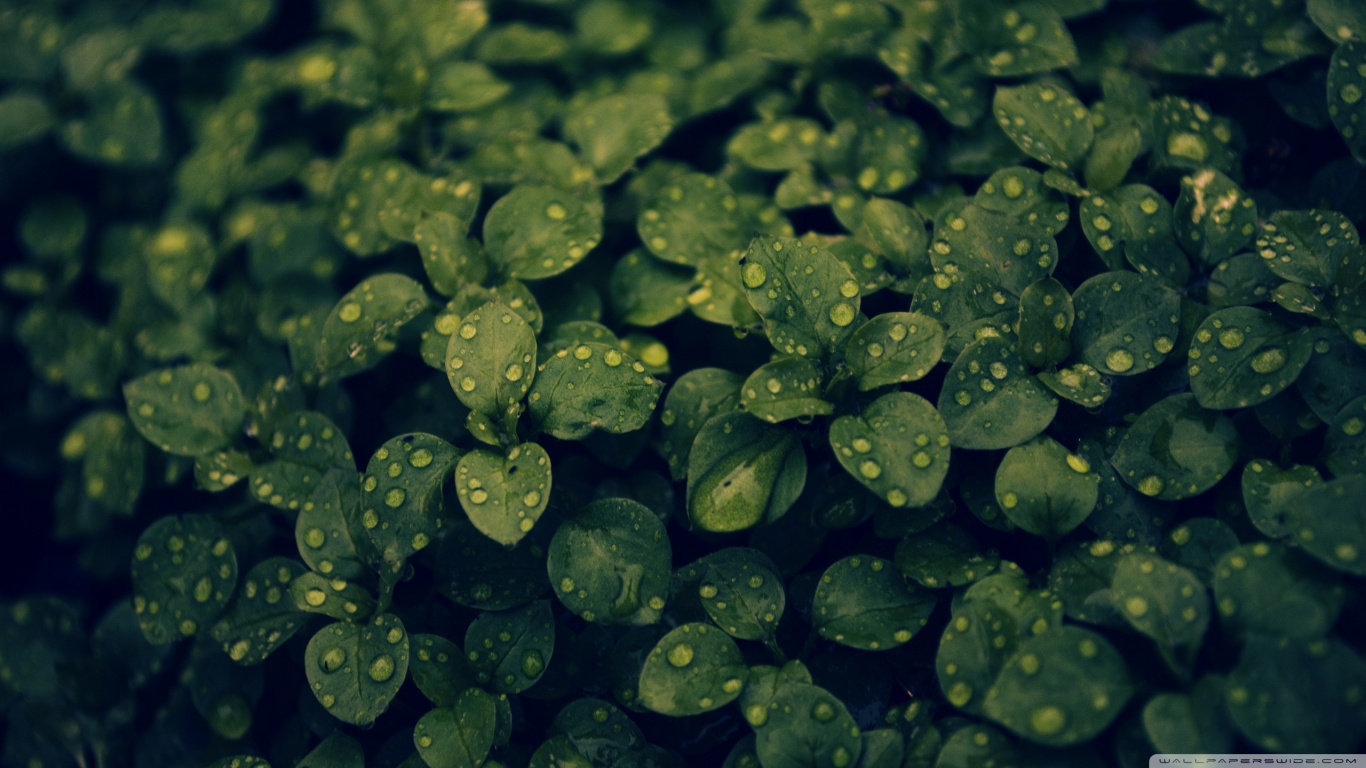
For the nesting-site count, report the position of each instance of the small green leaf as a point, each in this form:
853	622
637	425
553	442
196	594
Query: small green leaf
692	219
491	361
1308	247
1188	138
1346	86
893	348
184	573
612	131
1027	39
1112	154
1135	222
1258	586
610	563
1126	324
328	528
1046	489
112	458
122	126
865	602
990	401
361	327
647	292
1289	695
338	750
784	144
510	650
1214	218
504	495
1268	492
944	555
1243	356
693	669
741	590
186	410
1008	252
401	507
341	599
798	724
439	669
742	472
694	398
451	259
898	448
787	388
355	670
476	571
458	736
534	232
1059	688
1161	599
593	386
1176	449
1341	20
1190	723
889	154
1046	317
306	445
24	116
808	300
1327	525
1078	383
179	259
1046	122
464	86
263	618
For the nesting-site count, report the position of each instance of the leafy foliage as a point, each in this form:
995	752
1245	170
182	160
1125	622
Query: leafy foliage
770	383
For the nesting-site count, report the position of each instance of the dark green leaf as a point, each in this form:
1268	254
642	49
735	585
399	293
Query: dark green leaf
355	670
341	599
787	388
894	347
1046	317
1290	695
611	132
336	751
1243	356
741	590
693	669
1176	449
122	126
439	669
1162	600
184	573
742	472
1346	86
592	387
186	410
898	448
1268	492
510	650
24	116
458	736
694	398
464	86
535	232
1190	723
1126	324
990	401
504	495
1214	218
1270	589
360	328
263	618
807	298
1026	39
491	361
1079	383
610	563
401	508
646	292
1327	525
1045	121
865	602
1046	489
1309	247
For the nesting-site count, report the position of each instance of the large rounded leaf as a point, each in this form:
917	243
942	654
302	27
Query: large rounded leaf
865	602
1046	489
401	504
186	410
1290	695
504	495
1126	324
694	669
807	298
184	573
742	472
491	360
990	401
510	650
1176	449
534	232
592	386
1243	356
894	348
459	736
610	563
898	448
354	670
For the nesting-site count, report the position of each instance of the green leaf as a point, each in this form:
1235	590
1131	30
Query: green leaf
1243	356
355	670
179	260
893	348
403	485
1176	449
1271	589
184	573
1046	122
1059	688
112	458
943	555
439	669
612	131
1268	492
1190	723
694	398
889	154
476	571
898	448
1188	138
1346	86
1290	695
1135	222
451	259
865	602
328	528
1026	39
361	327
1161	599
784	144
691	670
692	219
504	495
1046	489
1214	218
742	472
338	750
464	86
1113	152
458	736
647	292
798	724
1126	324
306	445
510	650
24	116
491	361
534	232
341	599
1078	383
807	298
240	761
1046	317
592	387
610	563
186	410
1327	526
1308	247
990	401
520	43
1008	252
263	618
786	388
741	590
122	126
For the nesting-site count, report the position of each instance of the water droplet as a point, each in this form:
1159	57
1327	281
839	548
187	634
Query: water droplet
842	314
1136	606
1151	485
921	459
753	274
707	591
1269	360
479	496
513	372
1047	721
612	357
1230	338
959	694
532	663
823	712
382	668
1078	464
870	469
201	392
680	655
350	312
1029	664
896	497
556	212
774	386
1009	500
203	590
467	384
420	458
848	289
532	498
468	331
756	715
315	597
583	352
394	497
1350	93
332	659
1162	344
1119	360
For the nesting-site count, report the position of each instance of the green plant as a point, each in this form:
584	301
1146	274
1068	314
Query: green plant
759	383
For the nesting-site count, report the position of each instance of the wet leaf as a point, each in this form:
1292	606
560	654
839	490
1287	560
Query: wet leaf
1327	525
450	257
1243	356
121	126
865	602
898	448
742	472
336	751
787	388
1289	695
491	361
990	401
476	571
535	232
1046	489
693	669
894	347
263	618
1126	324
504	495
1308	247
694	398
510	650
740	589
1346	86
798	724
355	670
1046	122
1258	588
1023	40
1046	317
460	735
807	298
1214	218
401	505
692	219
1078	383
647	292
1268	492
360	328
328	530
184	573
592	387
1161	599
1190	723
186	410
464	86
610	563
1176	449
439	669
341	599
611	132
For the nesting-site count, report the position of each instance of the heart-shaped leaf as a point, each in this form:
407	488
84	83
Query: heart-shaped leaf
504	495
865	602
186	410
354	670
184	573
610	563
693	669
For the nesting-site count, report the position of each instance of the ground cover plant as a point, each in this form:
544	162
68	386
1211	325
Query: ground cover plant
750	383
